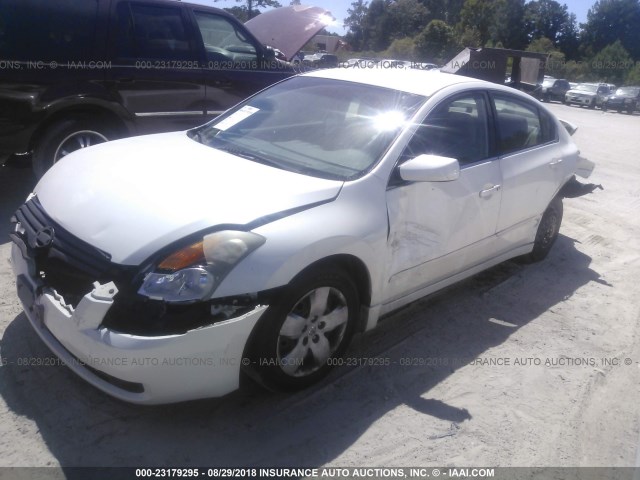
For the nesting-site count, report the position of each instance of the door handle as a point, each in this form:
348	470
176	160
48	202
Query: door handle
555	161
487	192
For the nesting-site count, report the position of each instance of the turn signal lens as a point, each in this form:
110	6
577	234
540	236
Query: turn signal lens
186	257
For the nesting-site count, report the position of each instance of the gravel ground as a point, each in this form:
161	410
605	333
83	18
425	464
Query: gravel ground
523	365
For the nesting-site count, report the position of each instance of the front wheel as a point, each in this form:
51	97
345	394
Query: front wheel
548	230
64	137
304	330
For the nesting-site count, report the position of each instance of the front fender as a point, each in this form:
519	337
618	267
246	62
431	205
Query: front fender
357	229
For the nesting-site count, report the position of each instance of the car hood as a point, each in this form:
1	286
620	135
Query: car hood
289	28
132	197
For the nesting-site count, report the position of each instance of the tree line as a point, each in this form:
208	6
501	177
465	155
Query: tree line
605	48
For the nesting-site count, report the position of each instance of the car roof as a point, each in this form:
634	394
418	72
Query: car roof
420	82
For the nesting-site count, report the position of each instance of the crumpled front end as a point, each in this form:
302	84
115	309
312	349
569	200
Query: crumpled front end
82	324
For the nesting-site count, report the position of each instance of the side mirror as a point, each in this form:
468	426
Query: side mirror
268	53
430	168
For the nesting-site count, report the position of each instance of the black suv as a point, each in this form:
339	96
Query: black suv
554	89
78	72
625	98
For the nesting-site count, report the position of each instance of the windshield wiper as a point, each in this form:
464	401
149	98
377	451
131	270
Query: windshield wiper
248	155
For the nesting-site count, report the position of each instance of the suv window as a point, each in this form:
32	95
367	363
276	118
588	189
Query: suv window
150	31
457	128
521	125
42	30
224	43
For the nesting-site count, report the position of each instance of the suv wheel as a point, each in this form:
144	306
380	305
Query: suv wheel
66	136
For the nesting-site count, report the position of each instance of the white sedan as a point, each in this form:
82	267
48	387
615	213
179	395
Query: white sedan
161	268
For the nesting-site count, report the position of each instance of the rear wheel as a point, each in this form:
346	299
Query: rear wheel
308	326
547	232
66	136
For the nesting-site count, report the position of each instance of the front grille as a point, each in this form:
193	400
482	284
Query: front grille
68	264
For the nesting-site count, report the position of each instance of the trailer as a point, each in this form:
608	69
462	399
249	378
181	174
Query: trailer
516	68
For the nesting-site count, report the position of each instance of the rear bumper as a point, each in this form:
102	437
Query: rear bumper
201	363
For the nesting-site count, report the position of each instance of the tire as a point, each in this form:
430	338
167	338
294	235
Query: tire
64	137
306	327
592	105
547	232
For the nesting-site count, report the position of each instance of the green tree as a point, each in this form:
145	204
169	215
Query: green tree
437	42
401	49
478	15
555	65
470	37
377	25
546	18
252	6
507	27
240	12
407	18
354	23
446	10
611	20
611	64
569	38
633	77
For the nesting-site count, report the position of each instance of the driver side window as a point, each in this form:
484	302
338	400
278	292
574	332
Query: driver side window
457	128
224	45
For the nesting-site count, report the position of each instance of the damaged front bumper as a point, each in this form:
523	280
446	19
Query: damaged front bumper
200	363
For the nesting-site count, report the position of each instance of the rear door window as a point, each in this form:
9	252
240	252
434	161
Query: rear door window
152	32
521	124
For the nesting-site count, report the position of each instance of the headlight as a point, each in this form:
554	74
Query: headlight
195	271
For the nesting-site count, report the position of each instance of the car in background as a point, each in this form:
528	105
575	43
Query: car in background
553	89
260	242
624	99
590	95
424	66
79	73
321	60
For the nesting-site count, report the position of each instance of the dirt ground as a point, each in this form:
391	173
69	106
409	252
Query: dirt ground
523	365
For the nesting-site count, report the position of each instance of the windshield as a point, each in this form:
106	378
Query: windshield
628	91
587	88
321	127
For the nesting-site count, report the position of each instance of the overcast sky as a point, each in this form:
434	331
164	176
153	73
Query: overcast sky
339	8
